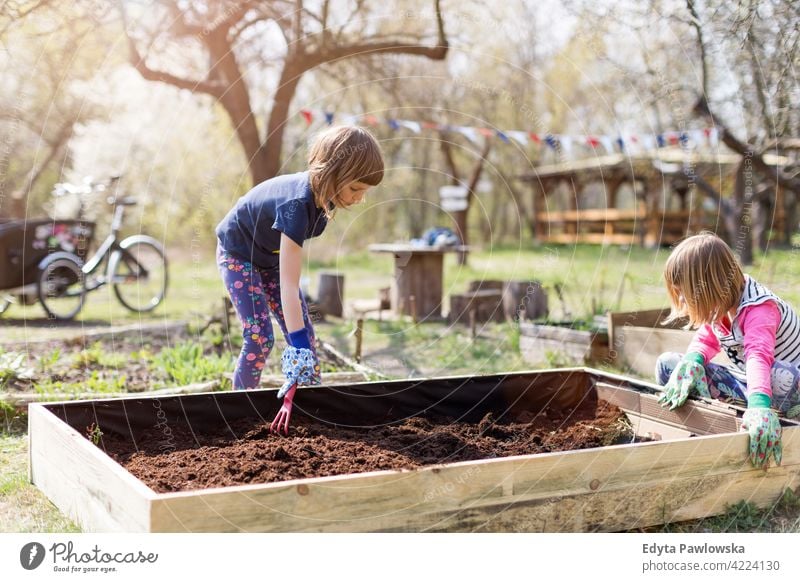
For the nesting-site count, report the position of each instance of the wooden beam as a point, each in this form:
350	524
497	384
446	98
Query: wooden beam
84	482
608	489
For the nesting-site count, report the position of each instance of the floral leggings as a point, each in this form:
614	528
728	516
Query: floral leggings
255	292
723	383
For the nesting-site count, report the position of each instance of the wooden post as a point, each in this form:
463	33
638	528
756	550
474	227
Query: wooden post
227	307
359	338
473	321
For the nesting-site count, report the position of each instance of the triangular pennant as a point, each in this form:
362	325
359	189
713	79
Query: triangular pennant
412	125
566	145
470	133
648	142
307	115
519	136
713	136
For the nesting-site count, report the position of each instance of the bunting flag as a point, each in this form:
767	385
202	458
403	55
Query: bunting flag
412	125
521	137
551	140
470	133
562	144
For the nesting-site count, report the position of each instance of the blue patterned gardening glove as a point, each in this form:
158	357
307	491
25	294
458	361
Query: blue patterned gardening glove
300	366
762	423
689	376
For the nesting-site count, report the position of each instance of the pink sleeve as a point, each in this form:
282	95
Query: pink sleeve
759	325
705	343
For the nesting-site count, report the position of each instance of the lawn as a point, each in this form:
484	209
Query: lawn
592	279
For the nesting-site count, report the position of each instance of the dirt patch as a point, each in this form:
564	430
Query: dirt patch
245	452
127	361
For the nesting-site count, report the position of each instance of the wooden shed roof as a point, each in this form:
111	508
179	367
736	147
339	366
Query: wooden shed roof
666	160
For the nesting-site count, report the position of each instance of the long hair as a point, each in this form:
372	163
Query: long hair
338	156
704	280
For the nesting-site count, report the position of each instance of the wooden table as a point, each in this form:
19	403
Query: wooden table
418	278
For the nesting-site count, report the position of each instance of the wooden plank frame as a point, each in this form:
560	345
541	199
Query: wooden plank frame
637	338
537	342
604	489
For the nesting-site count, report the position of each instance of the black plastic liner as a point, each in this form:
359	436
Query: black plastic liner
369	404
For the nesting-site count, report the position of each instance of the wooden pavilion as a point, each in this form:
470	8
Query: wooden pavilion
644	199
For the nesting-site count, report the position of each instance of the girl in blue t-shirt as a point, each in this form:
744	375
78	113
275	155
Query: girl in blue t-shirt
259	253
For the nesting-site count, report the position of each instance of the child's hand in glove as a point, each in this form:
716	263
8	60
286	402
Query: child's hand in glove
689	376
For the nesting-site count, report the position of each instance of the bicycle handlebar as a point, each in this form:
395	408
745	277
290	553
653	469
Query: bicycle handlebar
88	187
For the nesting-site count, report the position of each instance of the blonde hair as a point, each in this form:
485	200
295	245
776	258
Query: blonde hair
704	281
338	156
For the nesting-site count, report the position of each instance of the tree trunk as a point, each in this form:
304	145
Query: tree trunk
268	163
236	101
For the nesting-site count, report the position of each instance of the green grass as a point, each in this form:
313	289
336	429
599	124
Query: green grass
781	517
185	364
23	508
593	278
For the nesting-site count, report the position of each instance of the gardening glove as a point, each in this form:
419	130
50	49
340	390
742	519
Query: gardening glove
284	414
687	377
299	363
762	423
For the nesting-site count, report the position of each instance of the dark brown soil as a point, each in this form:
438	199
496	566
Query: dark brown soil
313	449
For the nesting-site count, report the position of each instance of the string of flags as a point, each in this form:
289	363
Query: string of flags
560	143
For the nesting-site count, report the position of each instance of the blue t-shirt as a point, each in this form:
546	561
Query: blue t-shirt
284	204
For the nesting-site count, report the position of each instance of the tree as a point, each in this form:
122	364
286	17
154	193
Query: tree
50	52
229	38
770	35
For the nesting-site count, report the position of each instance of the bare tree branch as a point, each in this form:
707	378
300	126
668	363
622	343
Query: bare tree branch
697	24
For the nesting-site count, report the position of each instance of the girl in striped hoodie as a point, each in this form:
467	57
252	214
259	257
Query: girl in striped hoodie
759	332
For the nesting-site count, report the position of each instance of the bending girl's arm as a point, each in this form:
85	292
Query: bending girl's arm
704	343
291	261
759	325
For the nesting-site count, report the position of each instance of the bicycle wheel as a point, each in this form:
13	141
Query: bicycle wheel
139	273
61	286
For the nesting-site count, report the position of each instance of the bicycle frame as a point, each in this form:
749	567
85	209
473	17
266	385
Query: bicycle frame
109	246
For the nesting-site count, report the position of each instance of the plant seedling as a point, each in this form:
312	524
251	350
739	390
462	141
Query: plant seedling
94	433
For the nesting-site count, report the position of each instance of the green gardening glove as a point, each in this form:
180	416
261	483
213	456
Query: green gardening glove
687	377
762	423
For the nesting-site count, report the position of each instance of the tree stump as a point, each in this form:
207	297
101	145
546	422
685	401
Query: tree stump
524	300
485	304
330	297
486	284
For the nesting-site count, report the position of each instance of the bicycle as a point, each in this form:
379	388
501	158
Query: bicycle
47	260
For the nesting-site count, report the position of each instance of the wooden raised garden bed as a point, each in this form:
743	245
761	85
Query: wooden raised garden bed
637	338
542	344
670	477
